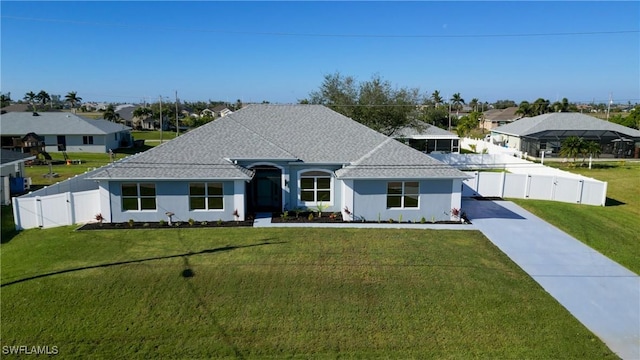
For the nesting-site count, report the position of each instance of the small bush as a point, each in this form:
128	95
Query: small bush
191	222
310	217
162	222
219	222
423	220
130	222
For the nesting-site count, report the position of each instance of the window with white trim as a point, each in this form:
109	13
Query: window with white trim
206	196
138	196
403	194
315	186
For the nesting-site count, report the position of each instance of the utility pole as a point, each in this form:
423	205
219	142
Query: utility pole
609	106
160	119
177	127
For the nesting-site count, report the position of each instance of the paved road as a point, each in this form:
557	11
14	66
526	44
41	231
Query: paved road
601	294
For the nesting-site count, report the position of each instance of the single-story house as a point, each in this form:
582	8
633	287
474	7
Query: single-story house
428	138
493	118
64	131
545	133
271	158
12	174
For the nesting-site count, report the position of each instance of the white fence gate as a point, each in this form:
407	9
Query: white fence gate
532	186
56	209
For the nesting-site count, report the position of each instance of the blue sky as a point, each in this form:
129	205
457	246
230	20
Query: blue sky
280	51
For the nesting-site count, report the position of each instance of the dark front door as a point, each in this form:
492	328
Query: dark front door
265	191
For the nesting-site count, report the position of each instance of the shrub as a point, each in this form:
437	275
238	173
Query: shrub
423	220
191	222
130	222
162	222
310	217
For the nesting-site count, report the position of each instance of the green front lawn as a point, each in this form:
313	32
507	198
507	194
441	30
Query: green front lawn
613	230
279	293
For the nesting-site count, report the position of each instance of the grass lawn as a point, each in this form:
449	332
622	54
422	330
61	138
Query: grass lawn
279	293
153	135
613	230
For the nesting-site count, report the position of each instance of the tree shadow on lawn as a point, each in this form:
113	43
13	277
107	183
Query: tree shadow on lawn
184	255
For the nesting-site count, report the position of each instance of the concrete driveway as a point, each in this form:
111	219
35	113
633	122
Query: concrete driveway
600	293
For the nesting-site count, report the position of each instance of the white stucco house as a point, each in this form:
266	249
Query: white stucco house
270	158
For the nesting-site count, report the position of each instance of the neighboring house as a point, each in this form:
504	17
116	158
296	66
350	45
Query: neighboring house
126	113
498	117
221	110
16	108
270	158
547	132
12	174
64	131
428	138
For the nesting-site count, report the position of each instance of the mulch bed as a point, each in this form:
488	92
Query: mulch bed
158	225
303	217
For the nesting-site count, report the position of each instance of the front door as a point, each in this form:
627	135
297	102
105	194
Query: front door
265	190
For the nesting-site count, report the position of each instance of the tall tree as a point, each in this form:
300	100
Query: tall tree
110	114
474	104
374	103
72	98
457	101
32	98
43	97
540	106
572	147
5	99
524	109
437	99
141	113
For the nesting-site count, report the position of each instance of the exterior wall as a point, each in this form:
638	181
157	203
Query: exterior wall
435	202
172	196
101	143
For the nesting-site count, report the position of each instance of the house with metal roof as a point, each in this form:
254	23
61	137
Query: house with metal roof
428	138
271	158
64	131
545	133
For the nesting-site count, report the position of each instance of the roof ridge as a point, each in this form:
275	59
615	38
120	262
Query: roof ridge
231	117
372	151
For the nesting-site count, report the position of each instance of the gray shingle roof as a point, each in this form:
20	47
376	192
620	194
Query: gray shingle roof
55	123
306	133
8	156
562	121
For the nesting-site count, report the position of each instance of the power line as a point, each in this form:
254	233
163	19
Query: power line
321	35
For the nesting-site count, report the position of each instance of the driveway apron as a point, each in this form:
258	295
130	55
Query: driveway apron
600	293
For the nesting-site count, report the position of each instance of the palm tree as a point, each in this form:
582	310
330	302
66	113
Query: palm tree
436	98
524	109
43	97
31	97
142	113
572	147
592	148
457	101
540	106
111	114
5	100
474	104
73	98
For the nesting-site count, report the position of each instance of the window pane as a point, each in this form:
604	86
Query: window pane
215	189
129	204
411	201
215	203
394	188
196	203
147	190
129	190
324	183
307	196
324	195
393	201
148	203
411	187
196	189
306	183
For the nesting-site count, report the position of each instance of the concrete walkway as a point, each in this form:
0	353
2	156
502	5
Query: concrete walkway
601	294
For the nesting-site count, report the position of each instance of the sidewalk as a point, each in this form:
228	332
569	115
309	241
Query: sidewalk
603	295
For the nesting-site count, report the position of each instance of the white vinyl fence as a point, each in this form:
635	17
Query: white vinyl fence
55	210
72	201
531	186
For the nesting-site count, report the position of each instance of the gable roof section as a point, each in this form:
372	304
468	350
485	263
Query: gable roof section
508	114
55	123
563	122
394	160
312	134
